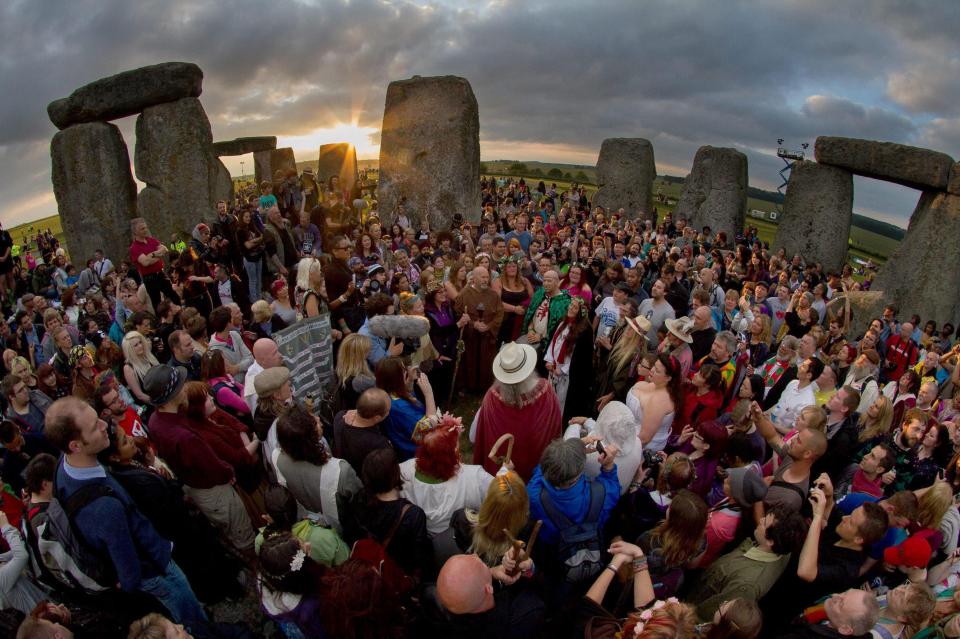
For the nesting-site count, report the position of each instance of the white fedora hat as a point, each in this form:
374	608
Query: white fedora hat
514	363
681	327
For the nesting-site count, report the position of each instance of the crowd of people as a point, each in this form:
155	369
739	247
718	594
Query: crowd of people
679	433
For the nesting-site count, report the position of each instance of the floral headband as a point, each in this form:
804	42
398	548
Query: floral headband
647	615
431	423
509	259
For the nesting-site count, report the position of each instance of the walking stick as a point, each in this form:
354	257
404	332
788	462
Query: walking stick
461	347
522	551
456	367
497	445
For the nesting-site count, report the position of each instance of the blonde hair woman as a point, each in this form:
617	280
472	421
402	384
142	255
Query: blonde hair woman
311	288
505	508
353	371
876	421
138	359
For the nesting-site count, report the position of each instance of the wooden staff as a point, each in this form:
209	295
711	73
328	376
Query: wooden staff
521	551
456	367
497	445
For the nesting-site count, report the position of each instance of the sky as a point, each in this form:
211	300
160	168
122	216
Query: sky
553	78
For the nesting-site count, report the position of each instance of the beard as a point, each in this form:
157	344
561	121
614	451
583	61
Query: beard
858	373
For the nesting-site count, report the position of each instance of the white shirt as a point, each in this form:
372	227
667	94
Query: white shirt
466	489
103	267
793	400
249	391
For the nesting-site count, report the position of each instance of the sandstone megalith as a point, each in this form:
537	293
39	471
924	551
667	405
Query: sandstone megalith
222	183
96	194
953	185
864	307
715	192
907	165
338	159
626	172
174	158
127	93
267	163
922	274
430	150
817	213
242	146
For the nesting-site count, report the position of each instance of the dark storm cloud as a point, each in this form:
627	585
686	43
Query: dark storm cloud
559	73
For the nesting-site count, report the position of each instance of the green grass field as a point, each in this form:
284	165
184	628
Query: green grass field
24	233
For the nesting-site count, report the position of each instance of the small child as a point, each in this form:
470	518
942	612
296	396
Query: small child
267	198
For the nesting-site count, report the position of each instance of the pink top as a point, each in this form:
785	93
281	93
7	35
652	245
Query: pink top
580	291
721	529
230	394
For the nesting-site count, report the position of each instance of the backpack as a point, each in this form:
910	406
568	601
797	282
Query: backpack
579	547
395	581
61	553
215	389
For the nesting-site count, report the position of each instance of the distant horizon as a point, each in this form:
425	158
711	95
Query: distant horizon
863	212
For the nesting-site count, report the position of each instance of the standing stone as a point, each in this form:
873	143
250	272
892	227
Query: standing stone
626	172
907	165
864	307
715	192
267	163
922	274
430	150
174	158
127	93
242	146
96	194
222	183
953	185
338	159
817	213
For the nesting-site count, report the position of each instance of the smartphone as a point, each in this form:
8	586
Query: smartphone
600	449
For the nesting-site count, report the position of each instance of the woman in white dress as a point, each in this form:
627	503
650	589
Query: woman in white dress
655	401
435	479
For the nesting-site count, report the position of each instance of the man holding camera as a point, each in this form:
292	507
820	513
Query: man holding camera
834	550
902	353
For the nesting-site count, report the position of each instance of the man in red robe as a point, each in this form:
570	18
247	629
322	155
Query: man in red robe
521	403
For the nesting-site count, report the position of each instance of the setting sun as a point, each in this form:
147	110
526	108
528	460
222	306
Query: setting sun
358	136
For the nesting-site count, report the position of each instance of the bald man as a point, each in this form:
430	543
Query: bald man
481	602
484	312
465	586
703	332
265	355
547	309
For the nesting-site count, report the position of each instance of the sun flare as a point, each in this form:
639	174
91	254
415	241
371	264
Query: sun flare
358	136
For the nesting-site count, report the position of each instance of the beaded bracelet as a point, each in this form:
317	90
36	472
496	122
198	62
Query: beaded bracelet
639	564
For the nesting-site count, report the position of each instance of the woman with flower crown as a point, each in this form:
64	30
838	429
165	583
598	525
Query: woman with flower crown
437	481
651	619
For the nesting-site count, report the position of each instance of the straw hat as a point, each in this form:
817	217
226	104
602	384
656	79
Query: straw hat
514	363
681	328
640	324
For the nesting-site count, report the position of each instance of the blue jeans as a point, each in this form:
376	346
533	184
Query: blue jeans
173	590
254	278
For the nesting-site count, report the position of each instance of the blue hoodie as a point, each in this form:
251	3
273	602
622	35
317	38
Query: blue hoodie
574	502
